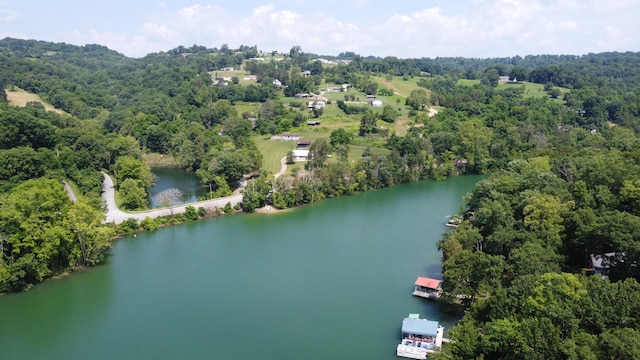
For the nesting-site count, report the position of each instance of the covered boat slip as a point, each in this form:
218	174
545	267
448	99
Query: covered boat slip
428	288
419	337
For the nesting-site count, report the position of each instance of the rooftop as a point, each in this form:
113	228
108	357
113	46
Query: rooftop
419	326
428	282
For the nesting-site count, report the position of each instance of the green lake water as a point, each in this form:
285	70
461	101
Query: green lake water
328	281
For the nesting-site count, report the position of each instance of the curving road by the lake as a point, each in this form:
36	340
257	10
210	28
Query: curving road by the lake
117	216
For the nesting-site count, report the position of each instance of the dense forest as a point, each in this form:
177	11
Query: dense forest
557	133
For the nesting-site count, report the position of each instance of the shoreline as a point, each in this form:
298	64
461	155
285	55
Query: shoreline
268	209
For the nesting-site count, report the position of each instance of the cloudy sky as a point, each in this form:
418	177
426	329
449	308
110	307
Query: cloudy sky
410	28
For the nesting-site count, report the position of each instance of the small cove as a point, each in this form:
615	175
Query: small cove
175	178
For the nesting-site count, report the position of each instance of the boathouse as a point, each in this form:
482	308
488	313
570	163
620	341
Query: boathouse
419	337
428	288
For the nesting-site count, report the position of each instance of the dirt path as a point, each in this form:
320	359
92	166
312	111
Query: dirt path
390	86
283	167
117	216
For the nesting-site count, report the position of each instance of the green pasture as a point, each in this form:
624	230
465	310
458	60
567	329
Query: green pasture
274	150
398	85
356	151
250	107
467	82
530	89
239	73
19	97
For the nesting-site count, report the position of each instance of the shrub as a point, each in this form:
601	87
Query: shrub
227	208
149	224
202	212
129	225
190	213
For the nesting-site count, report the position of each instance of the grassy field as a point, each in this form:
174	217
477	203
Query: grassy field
274	150
239	73
333	118
467	82
250	107
19	97
355	151
400	87
530	89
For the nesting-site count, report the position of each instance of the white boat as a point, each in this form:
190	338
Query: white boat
420	337
454	221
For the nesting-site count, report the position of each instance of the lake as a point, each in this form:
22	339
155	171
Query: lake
332	280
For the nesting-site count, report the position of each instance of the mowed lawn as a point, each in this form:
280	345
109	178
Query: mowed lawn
19	97
274	150
531	89
356	151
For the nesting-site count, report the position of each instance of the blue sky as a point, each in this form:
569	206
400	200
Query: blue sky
420	28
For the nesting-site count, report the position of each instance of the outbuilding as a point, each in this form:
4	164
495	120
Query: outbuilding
300	155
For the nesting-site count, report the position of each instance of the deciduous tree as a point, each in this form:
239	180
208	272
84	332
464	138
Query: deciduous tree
169	198
418	99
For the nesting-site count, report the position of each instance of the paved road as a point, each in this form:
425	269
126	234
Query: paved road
117	216
72	195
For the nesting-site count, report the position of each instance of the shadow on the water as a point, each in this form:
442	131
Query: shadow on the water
449	309
433	271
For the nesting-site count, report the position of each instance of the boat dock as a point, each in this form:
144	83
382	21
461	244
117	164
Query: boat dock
420	337
428	288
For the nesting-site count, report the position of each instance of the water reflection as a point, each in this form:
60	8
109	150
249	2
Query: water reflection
168	178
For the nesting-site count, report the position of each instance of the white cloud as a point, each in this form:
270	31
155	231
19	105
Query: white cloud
510	27
8	14
475	28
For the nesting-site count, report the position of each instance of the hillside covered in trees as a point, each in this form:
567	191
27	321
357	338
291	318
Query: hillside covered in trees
557	133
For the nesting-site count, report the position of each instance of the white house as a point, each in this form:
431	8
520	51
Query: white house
319	105
375	103
277	83
300	155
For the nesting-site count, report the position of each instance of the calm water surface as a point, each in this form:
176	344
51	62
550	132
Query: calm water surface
327	281
168	178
